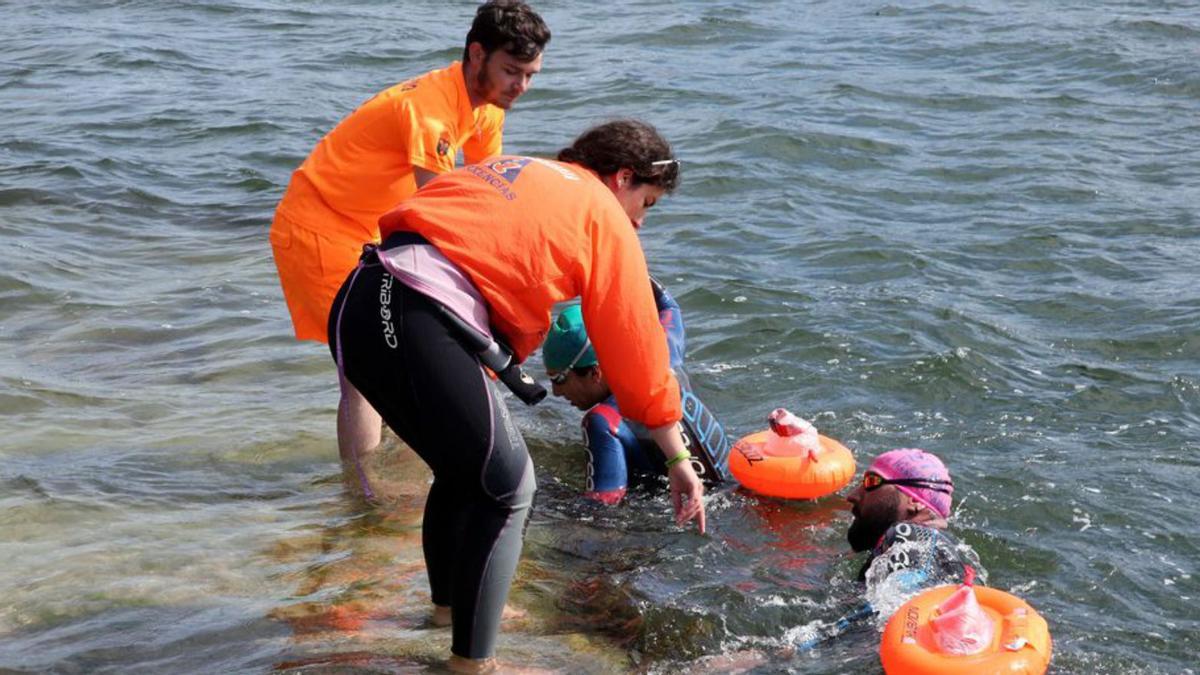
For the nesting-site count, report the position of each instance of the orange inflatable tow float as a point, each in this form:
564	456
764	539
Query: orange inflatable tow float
791	460
965	630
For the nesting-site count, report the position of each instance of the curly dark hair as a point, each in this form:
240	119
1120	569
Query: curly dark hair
510	25
626	144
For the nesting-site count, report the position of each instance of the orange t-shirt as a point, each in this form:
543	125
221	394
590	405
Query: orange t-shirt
532	232
365	165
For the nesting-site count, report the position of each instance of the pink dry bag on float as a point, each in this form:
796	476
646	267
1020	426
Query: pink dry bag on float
960	624
791	436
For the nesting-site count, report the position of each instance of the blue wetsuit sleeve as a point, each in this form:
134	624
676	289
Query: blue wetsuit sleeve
708	440
606	475
671	318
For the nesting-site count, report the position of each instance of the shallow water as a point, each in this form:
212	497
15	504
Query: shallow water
966	227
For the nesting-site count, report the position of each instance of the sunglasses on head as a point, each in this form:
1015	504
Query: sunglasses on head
665	169
561	376
873	481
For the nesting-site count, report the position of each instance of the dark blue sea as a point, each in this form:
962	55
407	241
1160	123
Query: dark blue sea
964	226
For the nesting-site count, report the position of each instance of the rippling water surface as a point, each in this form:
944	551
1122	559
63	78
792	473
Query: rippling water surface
969	227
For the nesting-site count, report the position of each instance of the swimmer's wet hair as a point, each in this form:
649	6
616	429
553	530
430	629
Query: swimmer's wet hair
510	25
626	144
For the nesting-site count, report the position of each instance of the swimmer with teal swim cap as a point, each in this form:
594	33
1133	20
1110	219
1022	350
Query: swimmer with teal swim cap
619	451
567	344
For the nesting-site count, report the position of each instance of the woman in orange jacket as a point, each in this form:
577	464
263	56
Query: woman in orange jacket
487	250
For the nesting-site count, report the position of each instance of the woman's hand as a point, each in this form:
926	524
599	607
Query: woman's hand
687	492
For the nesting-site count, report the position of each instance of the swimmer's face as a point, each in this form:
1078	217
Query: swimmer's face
582	390
500	78
874	512
635	199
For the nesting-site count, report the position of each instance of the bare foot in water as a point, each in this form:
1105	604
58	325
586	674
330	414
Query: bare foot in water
442	617
512	613
458	664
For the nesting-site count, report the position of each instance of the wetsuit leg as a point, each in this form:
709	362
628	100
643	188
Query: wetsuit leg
399	352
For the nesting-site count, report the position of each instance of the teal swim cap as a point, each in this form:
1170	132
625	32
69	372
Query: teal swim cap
567	343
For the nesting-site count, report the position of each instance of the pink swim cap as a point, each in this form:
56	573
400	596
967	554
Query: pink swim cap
913	463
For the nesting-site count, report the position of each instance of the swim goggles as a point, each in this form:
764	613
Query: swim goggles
873	481
561	376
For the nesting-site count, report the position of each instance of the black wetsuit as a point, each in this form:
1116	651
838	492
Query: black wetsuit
908	559
398	349
915	557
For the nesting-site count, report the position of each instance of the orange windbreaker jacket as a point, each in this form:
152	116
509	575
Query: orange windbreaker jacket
532	232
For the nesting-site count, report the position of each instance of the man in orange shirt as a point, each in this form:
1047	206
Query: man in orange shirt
378	156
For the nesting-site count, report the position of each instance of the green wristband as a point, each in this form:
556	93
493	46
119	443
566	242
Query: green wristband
683	456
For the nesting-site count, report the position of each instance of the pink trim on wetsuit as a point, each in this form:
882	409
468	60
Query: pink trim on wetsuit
609	414
608	497
424	269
